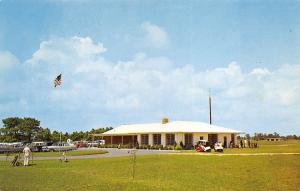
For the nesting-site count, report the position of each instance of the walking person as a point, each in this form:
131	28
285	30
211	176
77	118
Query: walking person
27	153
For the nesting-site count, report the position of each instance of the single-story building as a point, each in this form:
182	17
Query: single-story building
169	133
274	139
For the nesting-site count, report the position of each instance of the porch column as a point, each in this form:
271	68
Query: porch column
122	139
150	139
179	137
163	139
111	140
235	139
139	139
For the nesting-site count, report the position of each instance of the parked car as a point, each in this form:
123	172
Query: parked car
15	147
96	143
37	146
81	144
60	147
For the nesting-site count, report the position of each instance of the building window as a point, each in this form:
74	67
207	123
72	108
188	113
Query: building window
145	139
156	139
170	139
188	139
201	137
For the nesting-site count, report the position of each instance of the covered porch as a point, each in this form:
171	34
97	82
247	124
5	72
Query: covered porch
118	139
168	139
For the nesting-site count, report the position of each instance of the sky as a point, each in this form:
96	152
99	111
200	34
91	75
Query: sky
127	62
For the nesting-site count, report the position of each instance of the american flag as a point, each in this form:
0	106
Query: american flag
57	80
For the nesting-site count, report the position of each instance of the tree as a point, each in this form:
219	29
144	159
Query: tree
29	128
276	134
55	136
19	129
43	134
11	130
247	136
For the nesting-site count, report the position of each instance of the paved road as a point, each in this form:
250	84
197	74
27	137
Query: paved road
128	152
111	153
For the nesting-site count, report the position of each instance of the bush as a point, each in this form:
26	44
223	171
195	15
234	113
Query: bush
178	147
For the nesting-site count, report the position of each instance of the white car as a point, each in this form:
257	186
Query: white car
60	147
37	146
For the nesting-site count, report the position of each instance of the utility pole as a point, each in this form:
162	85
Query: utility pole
209	100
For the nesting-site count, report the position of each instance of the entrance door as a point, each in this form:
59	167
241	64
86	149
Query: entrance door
188	140
225	142
212	139
232	139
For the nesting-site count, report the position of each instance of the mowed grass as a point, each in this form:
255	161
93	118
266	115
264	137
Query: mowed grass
288	146
69	153
157	172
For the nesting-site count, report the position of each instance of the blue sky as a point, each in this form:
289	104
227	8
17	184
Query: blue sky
138	61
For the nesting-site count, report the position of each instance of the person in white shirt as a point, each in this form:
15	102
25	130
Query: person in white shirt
26	152
245	143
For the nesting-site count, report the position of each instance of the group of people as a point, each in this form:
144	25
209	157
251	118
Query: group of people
247	143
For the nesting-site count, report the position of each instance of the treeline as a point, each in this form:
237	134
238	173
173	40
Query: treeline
264	136
28	129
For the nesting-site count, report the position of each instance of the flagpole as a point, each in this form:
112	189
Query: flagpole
57	82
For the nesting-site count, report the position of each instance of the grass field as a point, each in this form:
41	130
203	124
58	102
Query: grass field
69	153
157	172
289	146
162	172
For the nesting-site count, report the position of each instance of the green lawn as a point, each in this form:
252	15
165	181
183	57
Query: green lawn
69	153
157	172
289	146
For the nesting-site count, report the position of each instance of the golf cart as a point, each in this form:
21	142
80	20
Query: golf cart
203	146
218	147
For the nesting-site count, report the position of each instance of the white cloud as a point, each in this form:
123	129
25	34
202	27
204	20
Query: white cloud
260	72
144	88
155	36
58	50
7	61
9	68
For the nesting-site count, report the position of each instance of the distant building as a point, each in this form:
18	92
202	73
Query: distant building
167	133
274	139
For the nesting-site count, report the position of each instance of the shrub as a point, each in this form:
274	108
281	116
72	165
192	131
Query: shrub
178	147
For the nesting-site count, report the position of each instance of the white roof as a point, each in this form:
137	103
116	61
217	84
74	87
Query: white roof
171	127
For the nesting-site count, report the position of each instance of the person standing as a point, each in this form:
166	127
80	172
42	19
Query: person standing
26	152
245	143
65	156
241	142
